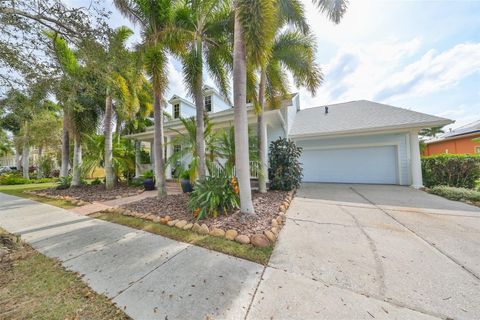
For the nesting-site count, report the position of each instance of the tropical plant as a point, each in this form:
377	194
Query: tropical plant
64	182
216	194
285	167
225	147
204	26
158	38
45	166
123	155
148	174
81	94
187	139
457	194
292	51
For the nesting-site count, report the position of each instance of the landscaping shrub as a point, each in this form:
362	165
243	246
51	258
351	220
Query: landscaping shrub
285	168
46	165
215	195
454	170
96	182
64	182
12	179
458	194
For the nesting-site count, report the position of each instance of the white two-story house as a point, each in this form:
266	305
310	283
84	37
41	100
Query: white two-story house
352	142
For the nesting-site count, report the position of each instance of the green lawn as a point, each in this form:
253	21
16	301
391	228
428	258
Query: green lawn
33	286
248	252
18	190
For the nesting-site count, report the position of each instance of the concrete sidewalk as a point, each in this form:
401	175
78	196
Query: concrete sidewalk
146	275
313	273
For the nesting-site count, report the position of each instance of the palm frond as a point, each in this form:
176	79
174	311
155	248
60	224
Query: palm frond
334	9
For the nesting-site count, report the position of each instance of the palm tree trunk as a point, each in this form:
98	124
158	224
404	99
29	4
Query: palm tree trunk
158	146
109	176
39	163
262	135
77	161
242	161
25	153
200	107
18	158
65	148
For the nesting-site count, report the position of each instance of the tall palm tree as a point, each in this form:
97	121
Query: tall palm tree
116	66
253	26
155	20
291	13
204	26
80	93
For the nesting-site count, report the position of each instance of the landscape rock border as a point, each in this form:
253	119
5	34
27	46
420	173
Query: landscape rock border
72	200
264	239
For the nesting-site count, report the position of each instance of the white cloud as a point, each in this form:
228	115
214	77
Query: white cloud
378	71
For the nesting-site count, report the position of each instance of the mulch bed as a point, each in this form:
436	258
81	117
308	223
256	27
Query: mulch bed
91	193
266	208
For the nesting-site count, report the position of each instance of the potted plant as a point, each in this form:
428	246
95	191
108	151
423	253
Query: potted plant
148	180
185	181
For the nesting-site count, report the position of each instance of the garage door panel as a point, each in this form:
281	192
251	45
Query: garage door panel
351	165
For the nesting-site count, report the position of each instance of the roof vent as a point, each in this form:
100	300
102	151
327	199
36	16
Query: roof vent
326	110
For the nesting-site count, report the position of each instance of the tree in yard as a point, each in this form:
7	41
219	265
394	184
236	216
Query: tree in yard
115	66
81	94
204	26
292	50
20	109
6	144
158	37
253	29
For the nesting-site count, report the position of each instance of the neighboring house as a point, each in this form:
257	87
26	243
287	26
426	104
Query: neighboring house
352	142
457	141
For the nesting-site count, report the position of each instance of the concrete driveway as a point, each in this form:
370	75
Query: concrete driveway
373	252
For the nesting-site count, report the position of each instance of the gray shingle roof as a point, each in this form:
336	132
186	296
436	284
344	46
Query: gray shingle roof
470	128
359	116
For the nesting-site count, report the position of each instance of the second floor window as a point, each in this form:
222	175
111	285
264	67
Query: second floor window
177	148
208	103
176	111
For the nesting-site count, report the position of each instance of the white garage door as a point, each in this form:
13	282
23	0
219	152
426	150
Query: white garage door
351	165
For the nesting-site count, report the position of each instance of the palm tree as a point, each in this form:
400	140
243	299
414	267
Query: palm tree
155	20
81	94
117	64
291	51
204	26
291	13
431	132
253	26
187	139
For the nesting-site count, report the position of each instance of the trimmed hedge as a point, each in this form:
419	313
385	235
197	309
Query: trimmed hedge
458	194
454	170
14	179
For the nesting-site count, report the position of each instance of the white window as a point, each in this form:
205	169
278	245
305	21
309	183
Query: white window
177	148
176	111
208	103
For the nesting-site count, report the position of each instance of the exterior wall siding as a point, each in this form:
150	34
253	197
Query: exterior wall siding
399	140
454	146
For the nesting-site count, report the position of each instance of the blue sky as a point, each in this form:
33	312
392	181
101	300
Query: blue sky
420	55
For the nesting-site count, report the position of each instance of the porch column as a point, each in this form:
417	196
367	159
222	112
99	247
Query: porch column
138	170
415	163
169	149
